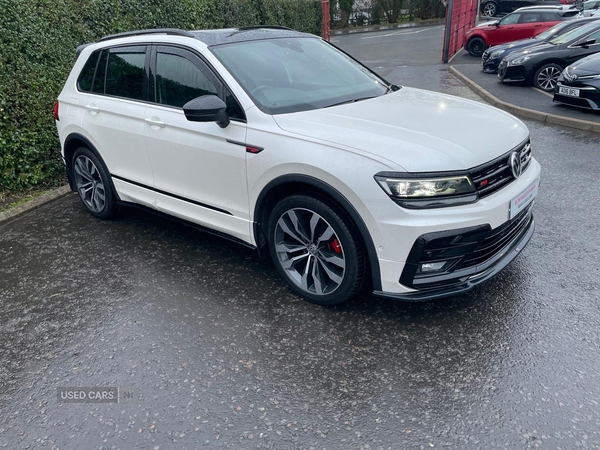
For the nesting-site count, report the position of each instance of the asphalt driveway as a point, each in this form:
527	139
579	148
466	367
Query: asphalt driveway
213	351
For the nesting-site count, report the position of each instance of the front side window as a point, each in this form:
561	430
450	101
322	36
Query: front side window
511	19
297	74
179	80
573	35
125	73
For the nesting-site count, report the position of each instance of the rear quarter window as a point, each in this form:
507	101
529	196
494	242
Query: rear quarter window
84	82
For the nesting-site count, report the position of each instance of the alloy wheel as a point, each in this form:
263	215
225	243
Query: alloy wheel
489	10
548	77
309	251
89	184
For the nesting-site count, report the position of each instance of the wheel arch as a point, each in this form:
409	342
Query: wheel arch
285	185
74	141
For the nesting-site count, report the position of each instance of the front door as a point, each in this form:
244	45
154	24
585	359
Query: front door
199	168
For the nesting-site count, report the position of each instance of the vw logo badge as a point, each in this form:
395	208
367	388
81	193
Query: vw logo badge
515	164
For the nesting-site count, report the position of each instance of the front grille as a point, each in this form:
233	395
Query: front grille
502	69
493	176
467	252
497	240
485	55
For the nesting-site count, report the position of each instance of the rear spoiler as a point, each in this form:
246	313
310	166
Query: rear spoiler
81	47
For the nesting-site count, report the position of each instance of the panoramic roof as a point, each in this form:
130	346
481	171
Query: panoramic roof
232	35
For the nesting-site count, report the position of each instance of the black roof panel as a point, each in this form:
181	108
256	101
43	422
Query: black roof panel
233	35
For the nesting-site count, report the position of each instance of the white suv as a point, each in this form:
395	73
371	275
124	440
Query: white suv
280	141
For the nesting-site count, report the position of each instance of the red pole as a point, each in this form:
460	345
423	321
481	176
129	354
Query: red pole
326	19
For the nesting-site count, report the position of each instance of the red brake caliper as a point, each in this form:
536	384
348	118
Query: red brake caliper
335	246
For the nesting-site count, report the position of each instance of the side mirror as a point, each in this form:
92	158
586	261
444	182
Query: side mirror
585	44
495	23
207	108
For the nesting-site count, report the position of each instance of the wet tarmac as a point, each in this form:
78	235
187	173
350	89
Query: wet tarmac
211	350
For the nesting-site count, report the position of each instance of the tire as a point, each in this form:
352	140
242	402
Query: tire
489	9
546	76
476	46
316	249
93	184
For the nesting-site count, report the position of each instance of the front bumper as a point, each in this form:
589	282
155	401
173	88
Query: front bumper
455	283
402	230
490	65
508	74
589	96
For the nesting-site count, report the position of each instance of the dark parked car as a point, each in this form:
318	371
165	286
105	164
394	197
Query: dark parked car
542	64
492	7
518	25
491	57
579	84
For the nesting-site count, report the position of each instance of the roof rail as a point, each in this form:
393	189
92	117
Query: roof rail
258	27
172	31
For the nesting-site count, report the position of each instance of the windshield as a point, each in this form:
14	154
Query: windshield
544	35
574	34
297	74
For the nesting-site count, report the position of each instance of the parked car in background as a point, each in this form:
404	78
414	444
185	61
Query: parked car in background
490	8
542	64
492	56
591	8
514	26
579	84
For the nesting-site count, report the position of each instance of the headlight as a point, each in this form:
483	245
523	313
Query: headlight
519	61
496	53
428	192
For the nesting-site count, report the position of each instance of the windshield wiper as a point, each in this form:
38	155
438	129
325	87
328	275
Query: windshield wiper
352	100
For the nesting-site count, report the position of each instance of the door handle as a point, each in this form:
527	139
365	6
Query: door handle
155	122
92	109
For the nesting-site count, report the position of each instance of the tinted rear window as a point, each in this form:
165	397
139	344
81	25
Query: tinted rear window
84	82
125	73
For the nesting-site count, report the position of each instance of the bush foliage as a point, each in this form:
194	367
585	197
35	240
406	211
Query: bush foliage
38	39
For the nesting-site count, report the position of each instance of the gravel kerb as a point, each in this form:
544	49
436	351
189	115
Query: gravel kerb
525	112
36	202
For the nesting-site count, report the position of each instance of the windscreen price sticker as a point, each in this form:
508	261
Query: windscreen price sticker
518	203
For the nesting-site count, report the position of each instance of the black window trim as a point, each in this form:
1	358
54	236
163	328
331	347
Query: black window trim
212	75
149	74
99	53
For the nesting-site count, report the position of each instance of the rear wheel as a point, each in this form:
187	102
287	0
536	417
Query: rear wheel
93	184
546	77
476	46
319	254
489	9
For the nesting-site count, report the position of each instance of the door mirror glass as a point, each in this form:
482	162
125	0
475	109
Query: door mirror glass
207	108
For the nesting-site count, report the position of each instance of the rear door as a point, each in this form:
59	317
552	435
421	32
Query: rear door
199	168
530	24
114	119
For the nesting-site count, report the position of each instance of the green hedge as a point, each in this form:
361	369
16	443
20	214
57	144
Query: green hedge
37	50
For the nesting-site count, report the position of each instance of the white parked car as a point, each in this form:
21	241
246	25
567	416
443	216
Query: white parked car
280	141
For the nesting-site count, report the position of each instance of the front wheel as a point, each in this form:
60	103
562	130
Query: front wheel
476	46
546	77
319	254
